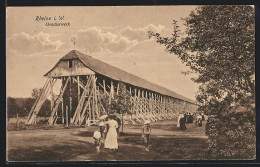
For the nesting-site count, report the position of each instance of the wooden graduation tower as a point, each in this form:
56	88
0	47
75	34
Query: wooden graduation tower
85	79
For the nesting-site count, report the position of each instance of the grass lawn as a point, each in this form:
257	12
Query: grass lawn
76	144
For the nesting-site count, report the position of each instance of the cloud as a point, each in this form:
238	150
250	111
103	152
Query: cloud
97	40
140	34
26	44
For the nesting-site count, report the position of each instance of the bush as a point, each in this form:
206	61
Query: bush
232	136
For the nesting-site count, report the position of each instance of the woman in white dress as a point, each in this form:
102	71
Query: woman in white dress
111	138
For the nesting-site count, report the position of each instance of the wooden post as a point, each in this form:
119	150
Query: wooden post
62	103
93	98
104	86
138	97
70	110
51	81
111	92
62	111
78	88
67	117
89	110
96	98
117	89
135	102
17	120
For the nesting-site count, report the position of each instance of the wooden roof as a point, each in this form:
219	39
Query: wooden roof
119	75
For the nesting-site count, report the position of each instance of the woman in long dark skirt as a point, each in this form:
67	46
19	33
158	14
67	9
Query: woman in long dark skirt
182	124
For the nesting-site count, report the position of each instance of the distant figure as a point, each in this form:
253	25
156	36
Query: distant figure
185	116
111	138
200	122
199	117
182	124
189	118
97	140
146	134
203	118
178	120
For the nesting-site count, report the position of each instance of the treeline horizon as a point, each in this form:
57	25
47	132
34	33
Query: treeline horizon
21	106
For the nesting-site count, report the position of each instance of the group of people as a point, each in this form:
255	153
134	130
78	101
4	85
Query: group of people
108	132
188	118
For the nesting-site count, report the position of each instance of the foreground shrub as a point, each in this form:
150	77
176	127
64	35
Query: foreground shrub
232	136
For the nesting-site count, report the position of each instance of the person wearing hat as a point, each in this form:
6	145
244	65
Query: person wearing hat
102	127
146	134
97	140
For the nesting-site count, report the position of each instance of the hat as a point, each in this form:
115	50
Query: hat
147	122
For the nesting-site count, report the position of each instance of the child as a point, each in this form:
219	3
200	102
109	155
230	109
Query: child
146	134
97	140
102	128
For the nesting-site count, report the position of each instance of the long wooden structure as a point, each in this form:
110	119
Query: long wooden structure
85	80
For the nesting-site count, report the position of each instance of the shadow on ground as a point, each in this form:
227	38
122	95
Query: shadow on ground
75	144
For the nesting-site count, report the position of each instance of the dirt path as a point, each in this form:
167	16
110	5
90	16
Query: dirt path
76	144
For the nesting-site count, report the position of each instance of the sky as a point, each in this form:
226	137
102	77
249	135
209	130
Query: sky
115	35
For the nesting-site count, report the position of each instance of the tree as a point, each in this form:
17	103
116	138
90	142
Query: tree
46	106
36	92
122	102
218	46
12	108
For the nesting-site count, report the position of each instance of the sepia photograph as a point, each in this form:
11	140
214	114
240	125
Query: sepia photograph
130	83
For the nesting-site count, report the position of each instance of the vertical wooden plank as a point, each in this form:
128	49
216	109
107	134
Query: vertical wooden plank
51	81
135	102
138	101
78	88
89	110
67	117
62	111
111	95
96	99
112	89
93	99
62	103
117	89
70	109
104	86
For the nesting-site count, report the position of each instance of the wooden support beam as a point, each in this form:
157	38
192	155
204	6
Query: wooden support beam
81	101
104	85
87	104
62	102
51	85
70	109
62	111
51	119
93	99
117	89
67	117
95	96
29	119
111	96
78	88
